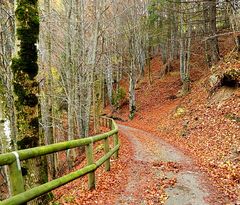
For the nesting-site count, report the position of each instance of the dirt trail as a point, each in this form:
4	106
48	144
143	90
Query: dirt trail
160	173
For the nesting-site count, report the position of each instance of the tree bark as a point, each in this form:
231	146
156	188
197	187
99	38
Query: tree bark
210	27
185	51
25	68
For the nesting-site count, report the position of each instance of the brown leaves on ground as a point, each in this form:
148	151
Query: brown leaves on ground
208	130
108	184
211	132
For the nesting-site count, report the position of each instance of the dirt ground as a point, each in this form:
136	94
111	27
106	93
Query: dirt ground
161	174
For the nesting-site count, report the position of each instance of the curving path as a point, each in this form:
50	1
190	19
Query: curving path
160	174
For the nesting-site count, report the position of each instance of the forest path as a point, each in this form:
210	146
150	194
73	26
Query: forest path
159	173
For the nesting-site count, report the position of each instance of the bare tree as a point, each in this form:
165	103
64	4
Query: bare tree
210	28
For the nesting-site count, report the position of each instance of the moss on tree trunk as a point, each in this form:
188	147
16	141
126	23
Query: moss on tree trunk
25	69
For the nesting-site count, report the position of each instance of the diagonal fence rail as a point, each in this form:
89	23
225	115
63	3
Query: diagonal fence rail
13	160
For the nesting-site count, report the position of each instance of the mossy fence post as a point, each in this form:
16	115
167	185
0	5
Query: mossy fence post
16	178
13	160
106	150
106	122
115	141
90	160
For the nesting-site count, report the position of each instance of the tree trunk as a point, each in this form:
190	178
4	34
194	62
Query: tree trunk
185	51
109	79
71	154
47	108
132	97
235	24
211	44
25	69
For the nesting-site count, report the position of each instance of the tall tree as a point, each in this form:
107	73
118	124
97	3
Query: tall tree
210	27
185	31
6	49
7	120
25	69
235	21
47	99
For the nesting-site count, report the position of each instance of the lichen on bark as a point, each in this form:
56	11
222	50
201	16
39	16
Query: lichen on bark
25	69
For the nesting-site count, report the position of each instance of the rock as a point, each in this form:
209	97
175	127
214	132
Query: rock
231	78
179	112
213	80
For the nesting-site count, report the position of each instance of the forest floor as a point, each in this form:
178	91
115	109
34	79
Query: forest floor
149	171
204	126
177	143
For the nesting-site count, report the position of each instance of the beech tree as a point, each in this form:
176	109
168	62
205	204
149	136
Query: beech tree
210	29
235	21
26	90
7	115
47	99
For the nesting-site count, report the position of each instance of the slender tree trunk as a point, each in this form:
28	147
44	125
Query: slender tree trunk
109	79
132	95
48	114
71	154
235	24
7	114
5	142
185	50
211	44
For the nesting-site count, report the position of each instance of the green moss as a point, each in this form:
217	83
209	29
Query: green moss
231	78
132	112
179	112
25	69
15	65
31	100
27	15
27	142
27	33
19	91
34	123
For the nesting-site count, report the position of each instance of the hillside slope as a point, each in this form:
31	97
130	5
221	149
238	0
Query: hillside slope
205	127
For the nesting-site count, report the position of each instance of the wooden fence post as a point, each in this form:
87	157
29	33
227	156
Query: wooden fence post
106	122
15	175
115	140
110	124
106	150
90	160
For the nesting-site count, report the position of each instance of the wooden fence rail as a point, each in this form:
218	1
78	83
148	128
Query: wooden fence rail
13	160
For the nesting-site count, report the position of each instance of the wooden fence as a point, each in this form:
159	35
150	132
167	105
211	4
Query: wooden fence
13	160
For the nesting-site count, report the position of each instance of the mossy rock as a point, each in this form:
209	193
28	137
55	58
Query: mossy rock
227	78
231	77
214	80
179	112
